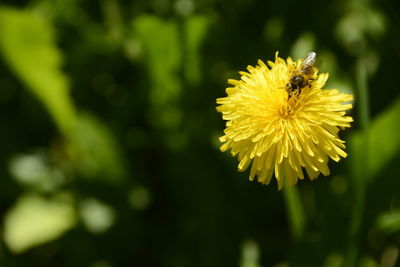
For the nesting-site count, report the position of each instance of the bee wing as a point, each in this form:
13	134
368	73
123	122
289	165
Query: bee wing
310	59
310	62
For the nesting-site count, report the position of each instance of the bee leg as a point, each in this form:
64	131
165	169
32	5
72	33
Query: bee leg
310	81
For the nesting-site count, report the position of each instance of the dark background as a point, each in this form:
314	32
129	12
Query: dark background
108	122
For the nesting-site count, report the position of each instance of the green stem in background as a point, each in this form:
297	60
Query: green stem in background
295	211
363	97
360	172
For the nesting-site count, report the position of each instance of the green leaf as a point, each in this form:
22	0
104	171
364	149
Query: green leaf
161	44
382	140
94	150
196	28
29	49
34	220
389	221
162	48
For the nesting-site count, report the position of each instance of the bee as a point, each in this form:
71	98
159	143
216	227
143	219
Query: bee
302	76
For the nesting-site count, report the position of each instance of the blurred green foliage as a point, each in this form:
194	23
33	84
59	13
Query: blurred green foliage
109	142
28	47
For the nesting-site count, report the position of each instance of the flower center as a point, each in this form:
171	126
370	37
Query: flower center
285	110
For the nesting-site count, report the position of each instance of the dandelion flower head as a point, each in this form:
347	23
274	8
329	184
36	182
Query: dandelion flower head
279	131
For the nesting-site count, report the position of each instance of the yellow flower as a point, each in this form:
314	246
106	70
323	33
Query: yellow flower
281	130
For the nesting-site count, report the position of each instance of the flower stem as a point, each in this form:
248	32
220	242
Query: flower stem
360	173
295	211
